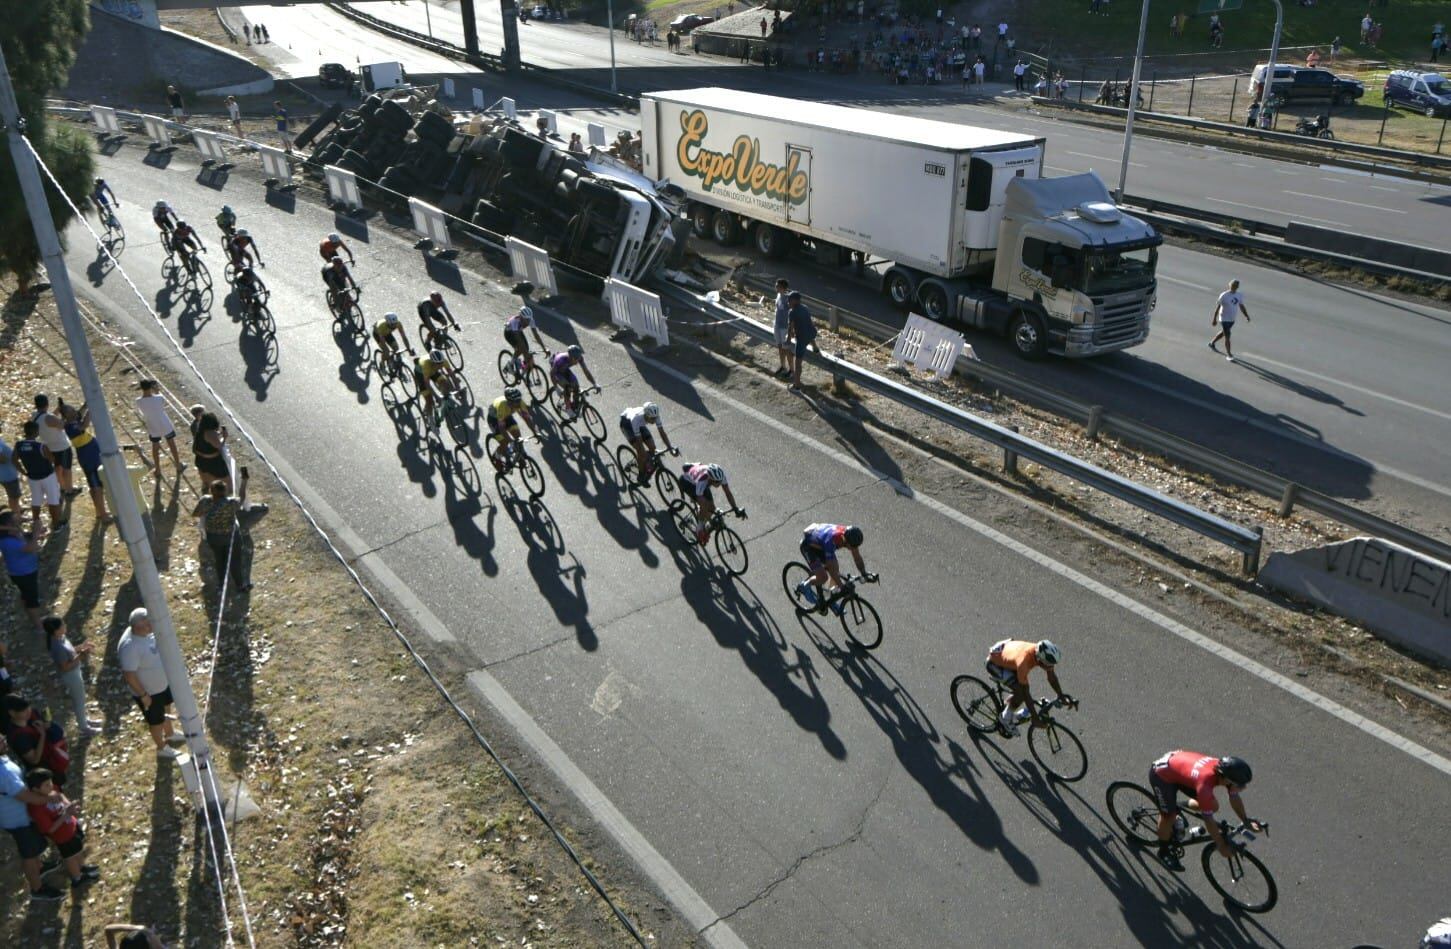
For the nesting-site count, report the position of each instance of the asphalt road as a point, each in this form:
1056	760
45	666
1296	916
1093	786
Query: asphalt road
809	794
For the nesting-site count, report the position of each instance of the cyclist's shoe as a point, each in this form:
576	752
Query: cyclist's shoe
838	607
806	592
1170	859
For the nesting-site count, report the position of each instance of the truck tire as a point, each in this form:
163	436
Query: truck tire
900	288
724	228
394	117
772	241
1029	337
700	215
329	114
433	127
936	305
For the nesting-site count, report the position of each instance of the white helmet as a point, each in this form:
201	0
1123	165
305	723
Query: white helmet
242	232
390	318
1438	935
652	412
715	473
1048	653
526	314
335	237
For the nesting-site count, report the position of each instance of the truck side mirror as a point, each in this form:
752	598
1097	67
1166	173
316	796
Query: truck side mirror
1061	274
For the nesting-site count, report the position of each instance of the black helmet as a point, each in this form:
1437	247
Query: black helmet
513	396
435	298
1235	770
853	536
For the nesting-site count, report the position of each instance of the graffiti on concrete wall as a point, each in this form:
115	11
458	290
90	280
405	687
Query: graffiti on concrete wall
1411	581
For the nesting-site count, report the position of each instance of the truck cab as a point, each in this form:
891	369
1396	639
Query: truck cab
377	76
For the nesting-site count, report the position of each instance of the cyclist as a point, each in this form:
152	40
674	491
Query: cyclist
385	332
819	544
226	220
1009	661
1438	935
104	198
434	319
331	245
164	218
501	414
242	248
514	335
561	370
430	373
1197	776
249	288
186	242
635	423
337	279
696	480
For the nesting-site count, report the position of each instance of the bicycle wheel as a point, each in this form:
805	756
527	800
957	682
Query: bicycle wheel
860	621
1135	812
732	551
493	448
457	423
229	273
1058	751
629	467
792	576
557	404
533	477
452	353
594	423
682	515
262	321
1243	881
508	371
168	270
977	703
538	385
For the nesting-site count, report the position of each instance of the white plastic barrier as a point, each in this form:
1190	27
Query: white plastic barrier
637	310
157	131
532	264
342	187
105	118
506	105
479	99
596	134
275	165
210	145
551	121
429	222
447	88
929	346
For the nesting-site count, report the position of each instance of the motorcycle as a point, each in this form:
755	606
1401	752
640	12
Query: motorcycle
1318	127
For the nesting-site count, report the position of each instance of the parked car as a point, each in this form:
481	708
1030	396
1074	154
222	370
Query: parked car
1426	92
335	76
689	21
1303	84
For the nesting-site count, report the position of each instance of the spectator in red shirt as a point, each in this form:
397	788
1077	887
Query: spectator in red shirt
56	821
35	742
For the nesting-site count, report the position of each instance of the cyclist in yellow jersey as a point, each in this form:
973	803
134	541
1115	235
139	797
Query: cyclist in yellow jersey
501	414
386	333
430	373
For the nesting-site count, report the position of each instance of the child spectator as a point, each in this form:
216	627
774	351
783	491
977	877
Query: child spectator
33	458
56	821
70	662
35	742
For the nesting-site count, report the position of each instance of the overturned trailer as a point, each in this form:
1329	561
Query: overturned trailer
589	211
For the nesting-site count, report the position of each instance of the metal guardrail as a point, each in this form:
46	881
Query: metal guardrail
1244	540
1201	214
1097	420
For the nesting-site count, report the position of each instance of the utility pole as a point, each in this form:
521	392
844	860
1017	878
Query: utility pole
509	15
1266	90
610	18
1123	171
471	26
123	499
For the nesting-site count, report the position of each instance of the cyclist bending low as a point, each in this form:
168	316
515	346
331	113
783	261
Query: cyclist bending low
501	421
227	220
331	245
696	481
387	332
243	250
1197	776
103	197
434	319
431	373
1009	661
514	335
186	242
561	370
335	275
249	286
635	423
163	217
819	544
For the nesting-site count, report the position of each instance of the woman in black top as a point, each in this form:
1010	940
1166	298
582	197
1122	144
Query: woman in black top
209	438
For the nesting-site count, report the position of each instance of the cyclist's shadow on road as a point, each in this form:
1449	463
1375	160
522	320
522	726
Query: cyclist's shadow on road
356	369
586	471
260	352
561	584
1158	906
464	499
937	763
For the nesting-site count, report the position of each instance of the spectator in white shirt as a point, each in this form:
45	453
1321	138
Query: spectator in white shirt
152	406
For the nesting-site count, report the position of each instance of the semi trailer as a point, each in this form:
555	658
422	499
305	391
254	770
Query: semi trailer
956	222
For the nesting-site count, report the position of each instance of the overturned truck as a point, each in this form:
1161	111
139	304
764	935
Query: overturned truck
589	211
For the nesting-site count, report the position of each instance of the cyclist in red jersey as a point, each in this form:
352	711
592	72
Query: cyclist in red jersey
1197	775
331	245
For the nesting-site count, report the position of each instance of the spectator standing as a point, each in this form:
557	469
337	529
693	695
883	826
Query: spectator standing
1020	75
1335	45
33	458
783	328
56	821
257	33
173	99
34	741
15	800
10	477
1002	31
152	406
140	661
979	71
52	433
1366	25
266	37
208	444
1438	43
88	454
802	331
1174	26
22	563
70	667
279	115
1226	312
764	27
576	144
234	115
225	522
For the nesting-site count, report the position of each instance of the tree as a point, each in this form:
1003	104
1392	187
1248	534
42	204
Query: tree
40	42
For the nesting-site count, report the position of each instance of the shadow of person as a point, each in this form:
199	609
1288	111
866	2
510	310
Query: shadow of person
561	584
463	501
260	354
1302	389
155	898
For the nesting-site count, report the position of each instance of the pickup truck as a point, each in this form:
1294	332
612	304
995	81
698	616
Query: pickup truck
1304	84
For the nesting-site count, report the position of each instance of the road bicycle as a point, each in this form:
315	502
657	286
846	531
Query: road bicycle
109	221
859	619
511	457
394	371
1243	881
254	305
1054	746
665	482
439	339
347	314
583	412
231	270
729	548
190	262
450	413
512	369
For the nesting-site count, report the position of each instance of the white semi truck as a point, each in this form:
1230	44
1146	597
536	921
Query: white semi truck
958	221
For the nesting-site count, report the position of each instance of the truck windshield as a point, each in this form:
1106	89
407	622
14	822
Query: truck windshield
1110	270
1438	87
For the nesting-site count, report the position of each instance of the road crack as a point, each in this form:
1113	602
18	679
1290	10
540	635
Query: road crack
791	516
353	561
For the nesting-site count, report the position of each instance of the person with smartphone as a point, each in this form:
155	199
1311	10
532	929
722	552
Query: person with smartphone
225	530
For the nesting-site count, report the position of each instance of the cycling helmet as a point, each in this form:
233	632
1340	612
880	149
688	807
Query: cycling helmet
335	237
161	204
854	537
1048	653
1235	770
435	298
576	352
392	320
242	232
336	260
715	473
180	224
99	180
652	412
526	314
226	209
1438	935
513	396
436	355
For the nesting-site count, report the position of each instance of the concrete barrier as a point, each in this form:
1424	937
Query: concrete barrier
1403	596
1430	260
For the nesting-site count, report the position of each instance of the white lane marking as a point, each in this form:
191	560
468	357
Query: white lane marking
1066	171
1243	164
1383	188
1261	207
1237	659
1357	204
1351	386
1278	432
1132	164
1186	283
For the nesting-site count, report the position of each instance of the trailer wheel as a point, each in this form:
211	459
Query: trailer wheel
1030	339
935	305
771	241
700	216
900	289
723	227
